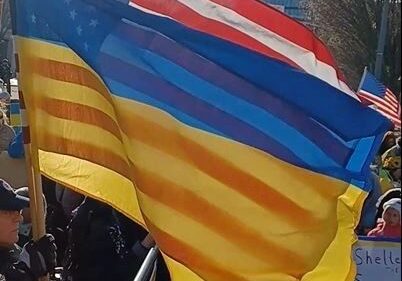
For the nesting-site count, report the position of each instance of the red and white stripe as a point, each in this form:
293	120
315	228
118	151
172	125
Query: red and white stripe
388	106
389	96
256	26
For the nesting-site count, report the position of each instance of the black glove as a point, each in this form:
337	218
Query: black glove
42	255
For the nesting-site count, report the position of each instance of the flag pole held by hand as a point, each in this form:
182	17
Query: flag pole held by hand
31	154
148	265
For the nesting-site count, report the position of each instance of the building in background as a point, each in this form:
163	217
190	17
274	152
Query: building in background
291	7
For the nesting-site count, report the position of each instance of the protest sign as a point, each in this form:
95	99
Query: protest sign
378	259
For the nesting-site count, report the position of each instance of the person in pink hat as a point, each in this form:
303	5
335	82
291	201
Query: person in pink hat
389	226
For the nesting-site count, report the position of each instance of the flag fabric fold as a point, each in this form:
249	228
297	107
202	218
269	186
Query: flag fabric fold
241	165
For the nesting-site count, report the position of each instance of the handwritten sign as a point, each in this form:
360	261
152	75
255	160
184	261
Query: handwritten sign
14	89
377	260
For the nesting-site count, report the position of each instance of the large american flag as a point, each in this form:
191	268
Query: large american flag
374	94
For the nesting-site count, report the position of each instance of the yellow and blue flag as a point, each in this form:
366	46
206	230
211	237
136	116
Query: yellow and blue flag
241	165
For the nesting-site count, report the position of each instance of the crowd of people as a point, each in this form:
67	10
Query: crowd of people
88	240
381	215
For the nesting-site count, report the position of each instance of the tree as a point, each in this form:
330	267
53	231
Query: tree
5	27
350	28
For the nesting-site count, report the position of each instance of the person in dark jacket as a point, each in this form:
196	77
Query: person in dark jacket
98	247
56	219
36	259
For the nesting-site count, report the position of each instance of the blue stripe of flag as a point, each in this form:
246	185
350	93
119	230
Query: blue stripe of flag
136	40
121	90
199	89
166	93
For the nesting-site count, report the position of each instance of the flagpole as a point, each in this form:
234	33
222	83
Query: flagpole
362	81
148	265
400	93
31	151
34	177
382	40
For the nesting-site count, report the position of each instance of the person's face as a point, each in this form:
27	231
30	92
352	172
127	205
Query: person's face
392	217
9	225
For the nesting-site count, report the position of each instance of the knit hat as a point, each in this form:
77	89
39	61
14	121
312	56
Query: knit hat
9	200
24	192
394	203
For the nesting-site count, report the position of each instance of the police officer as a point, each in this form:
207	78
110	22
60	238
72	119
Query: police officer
36	259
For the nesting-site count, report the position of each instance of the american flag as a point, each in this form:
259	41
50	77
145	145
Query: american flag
374	94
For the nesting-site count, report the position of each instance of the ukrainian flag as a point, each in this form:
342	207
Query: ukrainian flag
241	166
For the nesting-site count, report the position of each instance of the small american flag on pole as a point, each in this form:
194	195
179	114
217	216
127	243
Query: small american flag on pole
374	94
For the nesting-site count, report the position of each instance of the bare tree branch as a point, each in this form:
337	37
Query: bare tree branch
5	27
350	29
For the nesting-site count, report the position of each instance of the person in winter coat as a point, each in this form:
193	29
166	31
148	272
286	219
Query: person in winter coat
36	259
390	224
98	249
390	194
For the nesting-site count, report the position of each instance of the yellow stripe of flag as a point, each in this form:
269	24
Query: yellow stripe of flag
68	147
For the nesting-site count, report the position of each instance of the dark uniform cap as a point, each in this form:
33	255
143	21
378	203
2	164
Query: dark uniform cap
9	201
